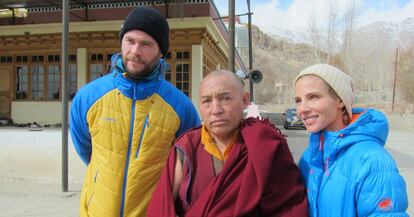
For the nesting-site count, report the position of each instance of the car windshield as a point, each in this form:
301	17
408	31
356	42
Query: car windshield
291	111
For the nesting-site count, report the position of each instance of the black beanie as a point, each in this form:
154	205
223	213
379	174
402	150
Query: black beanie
150	21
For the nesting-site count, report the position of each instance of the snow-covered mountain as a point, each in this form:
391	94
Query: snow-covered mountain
388	34
291	36
394	34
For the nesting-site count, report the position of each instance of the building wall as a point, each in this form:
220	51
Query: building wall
82	66
197	72
39	112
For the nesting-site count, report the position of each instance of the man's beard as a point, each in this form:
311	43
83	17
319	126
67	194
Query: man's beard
140	74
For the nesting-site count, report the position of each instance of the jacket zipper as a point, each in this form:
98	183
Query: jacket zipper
94	181
131	131
144	127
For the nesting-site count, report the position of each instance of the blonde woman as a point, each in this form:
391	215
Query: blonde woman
346	169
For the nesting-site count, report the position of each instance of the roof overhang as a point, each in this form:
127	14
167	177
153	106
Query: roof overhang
31	4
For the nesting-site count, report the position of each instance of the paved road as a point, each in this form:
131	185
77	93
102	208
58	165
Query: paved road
399	144
30	170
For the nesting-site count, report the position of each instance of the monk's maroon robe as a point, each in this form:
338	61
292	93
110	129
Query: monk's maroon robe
259	178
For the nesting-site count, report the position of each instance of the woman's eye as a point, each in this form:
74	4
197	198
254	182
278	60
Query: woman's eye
313	97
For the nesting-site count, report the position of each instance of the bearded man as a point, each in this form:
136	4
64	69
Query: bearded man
124	124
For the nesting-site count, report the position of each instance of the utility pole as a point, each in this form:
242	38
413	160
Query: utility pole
395	79
249	29
65	46
232	67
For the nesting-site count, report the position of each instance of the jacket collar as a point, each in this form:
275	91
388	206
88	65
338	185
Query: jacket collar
370	125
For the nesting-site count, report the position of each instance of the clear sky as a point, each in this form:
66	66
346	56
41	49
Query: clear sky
294	14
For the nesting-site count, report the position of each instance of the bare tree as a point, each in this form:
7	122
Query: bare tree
349	18
324	40
314	36
331	34
405	76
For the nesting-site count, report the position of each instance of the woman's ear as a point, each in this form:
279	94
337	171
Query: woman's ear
340	103
345	116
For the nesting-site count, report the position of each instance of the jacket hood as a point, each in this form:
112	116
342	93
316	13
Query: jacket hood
137	89
371	125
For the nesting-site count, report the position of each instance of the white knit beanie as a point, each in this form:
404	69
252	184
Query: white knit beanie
340	82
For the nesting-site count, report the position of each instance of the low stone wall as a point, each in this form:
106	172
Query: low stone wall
35	154
276	118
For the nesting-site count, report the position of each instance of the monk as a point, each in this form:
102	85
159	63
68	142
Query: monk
229	166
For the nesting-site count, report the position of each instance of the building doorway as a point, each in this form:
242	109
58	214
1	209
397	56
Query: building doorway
5	91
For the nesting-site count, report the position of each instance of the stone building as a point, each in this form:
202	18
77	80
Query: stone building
31	42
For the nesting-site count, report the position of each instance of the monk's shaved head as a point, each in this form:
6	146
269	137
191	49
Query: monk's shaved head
225	74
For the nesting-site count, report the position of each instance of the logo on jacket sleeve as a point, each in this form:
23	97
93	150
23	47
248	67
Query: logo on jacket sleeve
108	119
385	204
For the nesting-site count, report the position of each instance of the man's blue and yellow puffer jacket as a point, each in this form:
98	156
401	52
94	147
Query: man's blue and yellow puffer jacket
123	130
